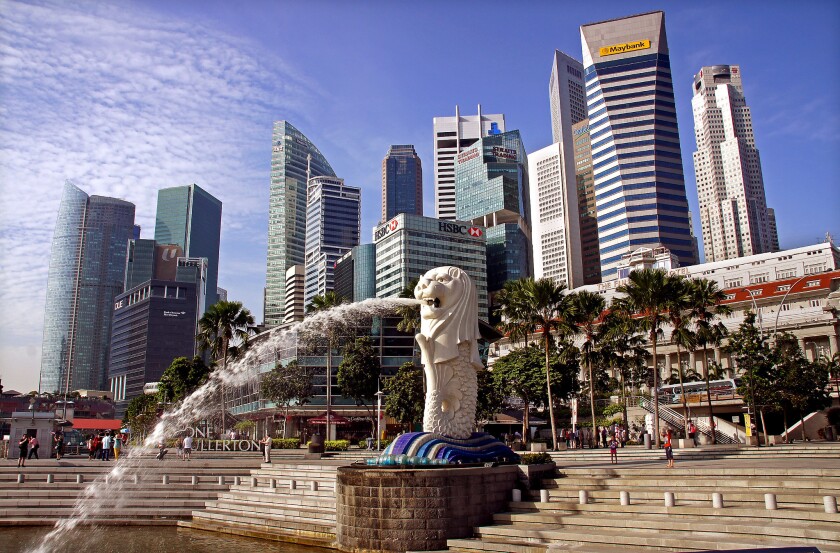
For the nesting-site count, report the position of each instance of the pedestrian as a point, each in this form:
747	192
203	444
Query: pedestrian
161	451
33	447
117	446
692	432
614	450
188	448
604	436
58	440
266	445
23	444
97	446
181	447
106	447
669	452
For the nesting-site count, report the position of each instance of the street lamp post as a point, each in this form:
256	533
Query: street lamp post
379	395
779	310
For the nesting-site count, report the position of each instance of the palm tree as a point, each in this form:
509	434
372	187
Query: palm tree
224	329
410	314
510	310
646	297
588	307
622	345
540	305
679	305
706	306
324	303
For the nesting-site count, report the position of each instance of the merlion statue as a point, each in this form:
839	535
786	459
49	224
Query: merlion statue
449	350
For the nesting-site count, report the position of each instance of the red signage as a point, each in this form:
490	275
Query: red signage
467	155
475	231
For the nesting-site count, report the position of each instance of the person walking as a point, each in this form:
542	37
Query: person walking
604	436
266	445
188	448
669	452
117	446
614	450
106	447
58	440
33	447
692	432
23	444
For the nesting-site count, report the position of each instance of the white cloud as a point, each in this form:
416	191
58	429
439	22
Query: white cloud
125	103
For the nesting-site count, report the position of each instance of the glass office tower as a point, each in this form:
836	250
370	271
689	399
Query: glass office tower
191	218
292	157
87	268
491	190
402	182
636	160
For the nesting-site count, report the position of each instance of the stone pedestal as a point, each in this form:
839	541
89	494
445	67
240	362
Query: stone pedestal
685	443
408	509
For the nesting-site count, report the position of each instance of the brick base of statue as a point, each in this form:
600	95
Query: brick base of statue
478	448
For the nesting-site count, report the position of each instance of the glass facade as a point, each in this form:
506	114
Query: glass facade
491	189
87	270
292	154
355	273
140	262
586	203
409	245
402	182
333	220
191	218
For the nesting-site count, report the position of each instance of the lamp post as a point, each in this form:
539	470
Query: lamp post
379	395
779	310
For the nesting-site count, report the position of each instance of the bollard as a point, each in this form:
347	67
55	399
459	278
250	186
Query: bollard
165	479
293	484
237	480
253	481
194	480
221	480
313	486
770	502
669	499
625	498
50	479
136	478
517	495
273	483
80	478
717	500
830	503
21	479
583	497
543	496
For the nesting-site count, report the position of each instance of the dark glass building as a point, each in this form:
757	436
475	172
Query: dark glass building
355	273
292	156
87	271
153	324
191	218
402	182
491	190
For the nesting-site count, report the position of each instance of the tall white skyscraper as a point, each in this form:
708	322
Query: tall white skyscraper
636	160
567	95
734	217
452	136
555	223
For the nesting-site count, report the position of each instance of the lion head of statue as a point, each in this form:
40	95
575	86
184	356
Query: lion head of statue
448	312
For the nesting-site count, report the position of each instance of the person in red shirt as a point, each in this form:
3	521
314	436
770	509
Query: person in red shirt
669	452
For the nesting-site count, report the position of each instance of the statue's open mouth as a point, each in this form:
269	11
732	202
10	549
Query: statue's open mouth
433	302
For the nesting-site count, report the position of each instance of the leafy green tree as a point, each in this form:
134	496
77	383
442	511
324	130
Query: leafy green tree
224	330
358	374
409	314
288	384
405	400
803	385
141	415
332	333
754	359
706	308
679	315
489	400
646	296
540	306
181	378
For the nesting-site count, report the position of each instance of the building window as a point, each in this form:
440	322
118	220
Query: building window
815	303
784	288
812	283
785	307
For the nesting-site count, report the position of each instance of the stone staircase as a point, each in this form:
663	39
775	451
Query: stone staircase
603	525
812	450
287	501
51	490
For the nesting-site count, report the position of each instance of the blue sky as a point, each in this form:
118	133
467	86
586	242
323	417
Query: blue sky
126	98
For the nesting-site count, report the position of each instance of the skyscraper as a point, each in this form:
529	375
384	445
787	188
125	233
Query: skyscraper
452	136
567	96
734	216
355	273
292	156
491	190
637	165
87	269
587	212
555	222
402	182
189	217
333	221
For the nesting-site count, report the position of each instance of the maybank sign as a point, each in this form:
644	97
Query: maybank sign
624	48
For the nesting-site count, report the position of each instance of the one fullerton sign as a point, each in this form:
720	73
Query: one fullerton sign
624	48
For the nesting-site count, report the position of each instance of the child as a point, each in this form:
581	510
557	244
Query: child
613	450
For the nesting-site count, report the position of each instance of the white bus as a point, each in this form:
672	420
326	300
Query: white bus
696	391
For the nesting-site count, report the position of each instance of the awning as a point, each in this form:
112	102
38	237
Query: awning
97	424
337	420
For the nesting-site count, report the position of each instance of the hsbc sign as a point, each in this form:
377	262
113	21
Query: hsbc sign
385	229
453	228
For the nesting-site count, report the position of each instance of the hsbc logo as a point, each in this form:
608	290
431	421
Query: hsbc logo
392	225
460	229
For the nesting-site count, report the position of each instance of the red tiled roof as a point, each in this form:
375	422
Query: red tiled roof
97	424
776	288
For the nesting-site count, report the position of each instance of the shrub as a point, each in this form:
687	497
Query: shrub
285	443
535	458
336	445
612	409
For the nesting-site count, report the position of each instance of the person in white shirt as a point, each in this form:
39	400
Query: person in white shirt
187	448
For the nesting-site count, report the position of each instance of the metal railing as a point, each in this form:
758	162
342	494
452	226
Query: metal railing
676	420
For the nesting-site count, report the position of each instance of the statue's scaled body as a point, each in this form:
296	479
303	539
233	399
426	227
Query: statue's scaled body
448	341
